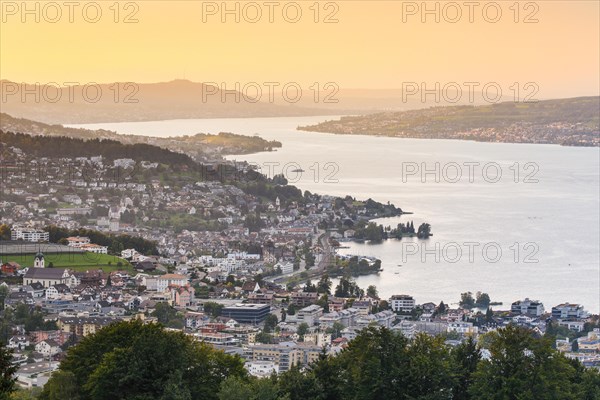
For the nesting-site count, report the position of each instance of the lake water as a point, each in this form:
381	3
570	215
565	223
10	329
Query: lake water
512	220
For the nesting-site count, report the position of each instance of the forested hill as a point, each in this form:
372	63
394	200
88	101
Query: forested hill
201	146
58	147
569	122
23	125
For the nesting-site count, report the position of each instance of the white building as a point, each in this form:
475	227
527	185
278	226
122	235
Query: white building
18	342
577	326
114	225
48	347
244	256
163	282
128	253
309	315
29	234
464	328
568	310
407	328
73	199
94	248
230	265
402	303
261	369
124	163
77	241
318	338
527	307
286	267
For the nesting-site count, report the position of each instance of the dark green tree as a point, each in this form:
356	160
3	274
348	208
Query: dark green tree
336	330
441	308
324	303
522	367
374	366
167	315
270	323
424	231
489	315
291	310
482	300
325	372
430	371
309	287
213	309
61	386
298	385
133	360
574	345
4	232
324	284
7	373
372	292
302	330
466	356
467	300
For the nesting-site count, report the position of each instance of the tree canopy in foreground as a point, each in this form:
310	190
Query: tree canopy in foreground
137	361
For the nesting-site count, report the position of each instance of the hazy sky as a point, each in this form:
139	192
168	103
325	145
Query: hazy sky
373	44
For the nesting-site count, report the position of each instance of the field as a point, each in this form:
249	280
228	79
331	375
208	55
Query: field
74	261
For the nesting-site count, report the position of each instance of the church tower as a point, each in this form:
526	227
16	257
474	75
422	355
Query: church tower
38	261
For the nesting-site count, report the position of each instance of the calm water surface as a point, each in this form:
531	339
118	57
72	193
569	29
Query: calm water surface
546	224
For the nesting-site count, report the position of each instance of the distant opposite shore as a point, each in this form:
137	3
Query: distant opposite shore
567	122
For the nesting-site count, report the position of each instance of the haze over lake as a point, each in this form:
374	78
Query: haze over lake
548	231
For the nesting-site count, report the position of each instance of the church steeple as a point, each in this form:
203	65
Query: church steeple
38	261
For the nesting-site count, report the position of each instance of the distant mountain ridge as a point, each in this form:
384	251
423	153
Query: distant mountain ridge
184	99
130	102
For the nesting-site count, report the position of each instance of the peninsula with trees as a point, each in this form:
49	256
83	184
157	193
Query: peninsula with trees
200	147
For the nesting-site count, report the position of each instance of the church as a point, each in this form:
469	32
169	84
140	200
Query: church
46	276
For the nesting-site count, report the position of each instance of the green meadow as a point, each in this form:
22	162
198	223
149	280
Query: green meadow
74	261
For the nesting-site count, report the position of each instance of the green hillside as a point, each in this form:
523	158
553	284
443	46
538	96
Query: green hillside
573	122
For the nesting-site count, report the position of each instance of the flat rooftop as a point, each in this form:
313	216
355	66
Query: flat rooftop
248	306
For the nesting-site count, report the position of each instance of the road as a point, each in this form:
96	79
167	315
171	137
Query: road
315	271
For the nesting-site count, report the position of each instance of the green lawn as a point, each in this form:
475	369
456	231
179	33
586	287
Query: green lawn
75	261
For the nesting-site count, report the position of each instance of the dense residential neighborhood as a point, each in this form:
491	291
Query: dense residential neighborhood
245	269
273	327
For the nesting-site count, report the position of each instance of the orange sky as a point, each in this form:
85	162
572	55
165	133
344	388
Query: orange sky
369	47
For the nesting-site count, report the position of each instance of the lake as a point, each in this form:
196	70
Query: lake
512	220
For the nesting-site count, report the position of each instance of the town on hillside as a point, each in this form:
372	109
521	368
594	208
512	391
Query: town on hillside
244	265
230	304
